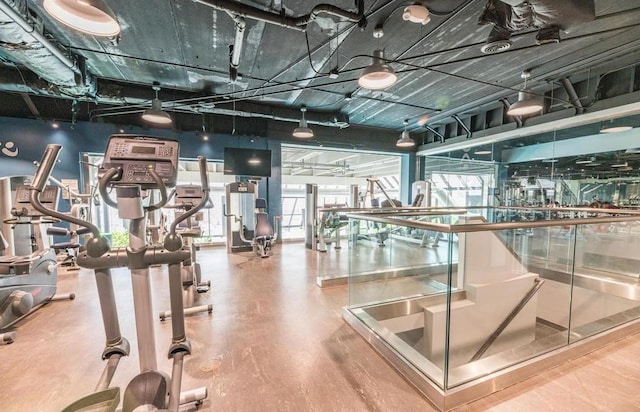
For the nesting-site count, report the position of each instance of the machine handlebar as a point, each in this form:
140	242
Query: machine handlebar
98	245
102	186
172	241
43	172
163	192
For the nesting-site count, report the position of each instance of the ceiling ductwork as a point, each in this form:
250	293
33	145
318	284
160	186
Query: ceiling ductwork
282	20
241	109
25	45
127	99
239	12
573	96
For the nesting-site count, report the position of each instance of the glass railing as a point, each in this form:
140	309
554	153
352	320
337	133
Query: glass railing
459	295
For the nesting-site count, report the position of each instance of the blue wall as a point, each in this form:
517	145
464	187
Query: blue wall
30	138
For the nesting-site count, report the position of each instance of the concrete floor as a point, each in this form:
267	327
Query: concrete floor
275	342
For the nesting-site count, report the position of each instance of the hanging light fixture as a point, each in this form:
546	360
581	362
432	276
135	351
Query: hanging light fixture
527	102
155	114
87	16
405	139
378	75
302	131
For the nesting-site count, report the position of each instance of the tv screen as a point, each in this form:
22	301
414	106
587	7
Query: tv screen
247	162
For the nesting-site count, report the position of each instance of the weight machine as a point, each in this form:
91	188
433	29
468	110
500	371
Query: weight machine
248	226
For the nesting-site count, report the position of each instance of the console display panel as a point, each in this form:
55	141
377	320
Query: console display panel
135	156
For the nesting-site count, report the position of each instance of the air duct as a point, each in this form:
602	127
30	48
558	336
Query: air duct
294	23
573	96
25	45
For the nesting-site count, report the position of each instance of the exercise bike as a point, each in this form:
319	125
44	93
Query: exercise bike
30	281
190	199
132	166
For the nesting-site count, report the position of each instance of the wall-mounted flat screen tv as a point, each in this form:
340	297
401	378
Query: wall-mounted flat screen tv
247	162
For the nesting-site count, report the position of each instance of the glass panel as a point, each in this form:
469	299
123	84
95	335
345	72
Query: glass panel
514	301
395	273
606	277
460	306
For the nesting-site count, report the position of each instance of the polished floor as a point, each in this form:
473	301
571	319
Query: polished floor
275	342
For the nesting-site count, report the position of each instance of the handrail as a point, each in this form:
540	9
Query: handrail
408	210
512	315
388	217
567	209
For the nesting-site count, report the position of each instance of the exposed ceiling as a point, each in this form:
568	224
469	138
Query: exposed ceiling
300	161
184	45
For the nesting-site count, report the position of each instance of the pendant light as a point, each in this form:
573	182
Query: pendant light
378	75
527	102
405	139
302	131
155	114
87	16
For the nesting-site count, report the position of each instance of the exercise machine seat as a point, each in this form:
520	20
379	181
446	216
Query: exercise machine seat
263	230
263	227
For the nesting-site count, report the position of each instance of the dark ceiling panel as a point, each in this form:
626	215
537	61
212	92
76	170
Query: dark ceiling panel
184	46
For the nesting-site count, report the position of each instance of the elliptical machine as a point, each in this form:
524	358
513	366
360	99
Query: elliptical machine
132	165
189	200
29	281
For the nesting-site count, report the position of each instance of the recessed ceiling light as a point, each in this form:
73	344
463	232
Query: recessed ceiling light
482	152
625	164
615	129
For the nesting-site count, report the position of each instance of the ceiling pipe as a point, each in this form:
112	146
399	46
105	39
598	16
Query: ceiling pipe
18	19
464	126
573	96
435	133
294	23
332	10
236	48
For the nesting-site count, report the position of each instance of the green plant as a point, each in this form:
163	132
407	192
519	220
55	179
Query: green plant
119	238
